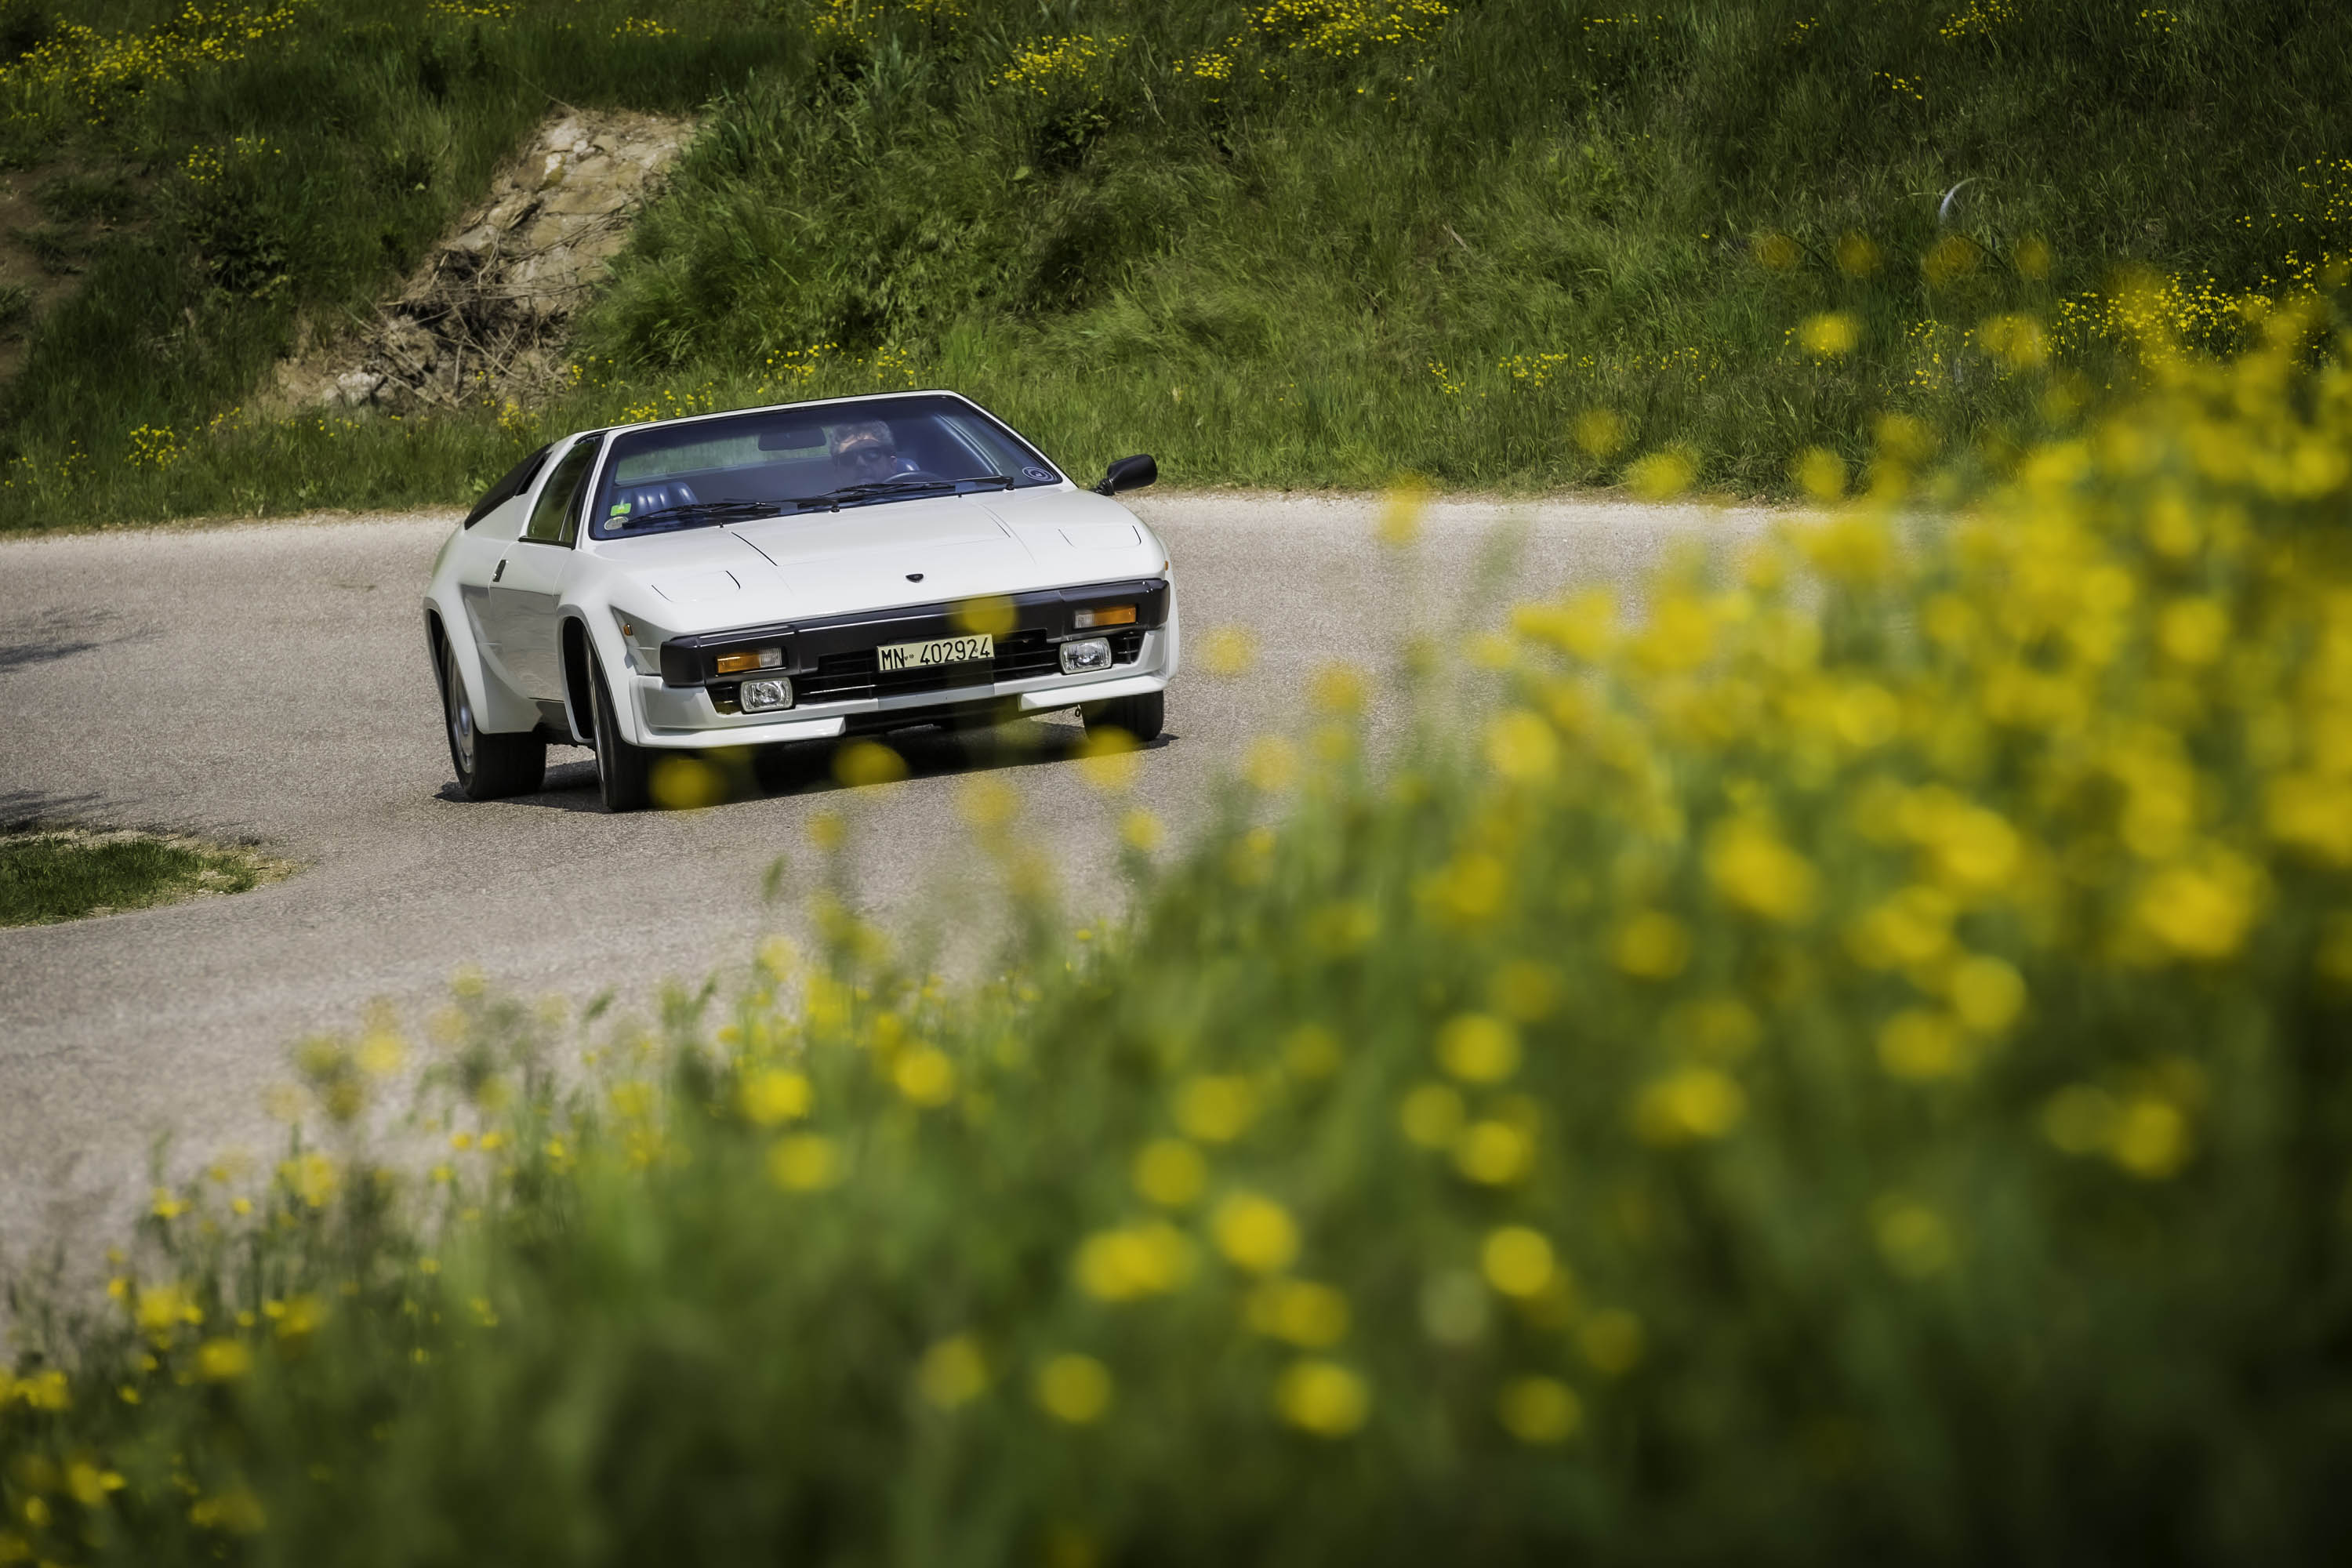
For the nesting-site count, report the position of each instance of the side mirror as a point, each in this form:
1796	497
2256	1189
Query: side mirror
1128	474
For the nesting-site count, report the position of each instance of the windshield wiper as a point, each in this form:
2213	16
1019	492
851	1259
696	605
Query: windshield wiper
869	492
717	510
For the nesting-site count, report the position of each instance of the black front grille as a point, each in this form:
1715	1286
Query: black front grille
848	676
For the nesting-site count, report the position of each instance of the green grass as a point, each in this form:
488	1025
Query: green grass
1429	255
69	876
1847	1069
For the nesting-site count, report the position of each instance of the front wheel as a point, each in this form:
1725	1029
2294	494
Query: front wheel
1142	717
489	767
623	771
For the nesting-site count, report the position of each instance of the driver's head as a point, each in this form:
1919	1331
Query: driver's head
863	452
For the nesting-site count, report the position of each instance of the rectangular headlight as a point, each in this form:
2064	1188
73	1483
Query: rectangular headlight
1090	653
764	658
761	696
1104	615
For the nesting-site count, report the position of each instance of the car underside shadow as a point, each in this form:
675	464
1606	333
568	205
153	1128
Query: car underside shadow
738	776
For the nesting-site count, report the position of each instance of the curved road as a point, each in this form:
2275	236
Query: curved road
268	682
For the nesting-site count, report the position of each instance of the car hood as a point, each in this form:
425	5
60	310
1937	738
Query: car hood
883	557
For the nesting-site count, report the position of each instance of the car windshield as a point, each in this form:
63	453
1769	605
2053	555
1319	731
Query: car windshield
783	460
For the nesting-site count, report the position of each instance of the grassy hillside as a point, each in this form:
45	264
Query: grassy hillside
1850	1072
1504	243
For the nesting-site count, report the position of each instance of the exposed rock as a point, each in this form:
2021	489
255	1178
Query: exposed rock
485	315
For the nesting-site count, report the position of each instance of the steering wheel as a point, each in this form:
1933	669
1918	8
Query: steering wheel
923	475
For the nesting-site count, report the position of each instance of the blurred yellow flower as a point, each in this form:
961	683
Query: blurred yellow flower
1536	1410
1690	1106
1401	514
1522	747
1338	689
1216	1108
2201	909
2150	1138
952	1372
991	617
1312	1051
1110	759
1478	1048
1600	433
1913	1238
1752	867
1661	476
686	784
1171	1172
2192	631
2018	341
233	1512
1819	473
1303	1314
1651	945
1777	252
1073	1388
1831	336
1857	255
1494	1153
1612	1341
1255	1233
1141	830
222	1359
864	762
776	1095
1516	1261
1526	991
1988	994
925	1076
1270	764
1431	1115
988	802
90	1484
804	1163
1229	651
1146	1259
1322	1397
1919	1043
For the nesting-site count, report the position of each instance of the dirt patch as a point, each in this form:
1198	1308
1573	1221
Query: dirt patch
485	314
53	219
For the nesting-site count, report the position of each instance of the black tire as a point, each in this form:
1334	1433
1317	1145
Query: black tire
1142	717
489	767
623	771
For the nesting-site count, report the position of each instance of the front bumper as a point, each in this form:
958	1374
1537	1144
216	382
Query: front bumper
840	689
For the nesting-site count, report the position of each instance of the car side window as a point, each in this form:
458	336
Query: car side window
515	480
551	520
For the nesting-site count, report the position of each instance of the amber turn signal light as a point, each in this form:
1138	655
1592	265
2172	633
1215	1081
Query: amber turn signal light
764	658
1108	616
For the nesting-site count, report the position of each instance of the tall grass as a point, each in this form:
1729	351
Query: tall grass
1846	1069
1318	243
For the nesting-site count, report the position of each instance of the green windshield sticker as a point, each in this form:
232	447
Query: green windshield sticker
618	508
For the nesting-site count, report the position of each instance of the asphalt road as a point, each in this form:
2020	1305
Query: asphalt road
268	683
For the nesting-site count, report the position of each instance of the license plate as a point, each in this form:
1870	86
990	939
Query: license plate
936	652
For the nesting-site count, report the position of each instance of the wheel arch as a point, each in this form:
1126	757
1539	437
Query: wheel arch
579	671
496	708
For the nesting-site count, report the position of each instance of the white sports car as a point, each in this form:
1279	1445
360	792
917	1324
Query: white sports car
789	574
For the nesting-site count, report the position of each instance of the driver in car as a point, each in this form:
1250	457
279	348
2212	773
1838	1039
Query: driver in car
865	453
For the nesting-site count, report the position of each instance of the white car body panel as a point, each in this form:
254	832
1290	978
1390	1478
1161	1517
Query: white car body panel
501	601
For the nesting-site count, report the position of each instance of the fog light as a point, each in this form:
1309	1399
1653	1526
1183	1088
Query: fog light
763	659
760	696
1077	657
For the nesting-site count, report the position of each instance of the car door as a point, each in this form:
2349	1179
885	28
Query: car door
526	586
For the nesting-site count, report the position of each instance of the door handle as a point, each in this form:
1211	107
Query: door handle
499	572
